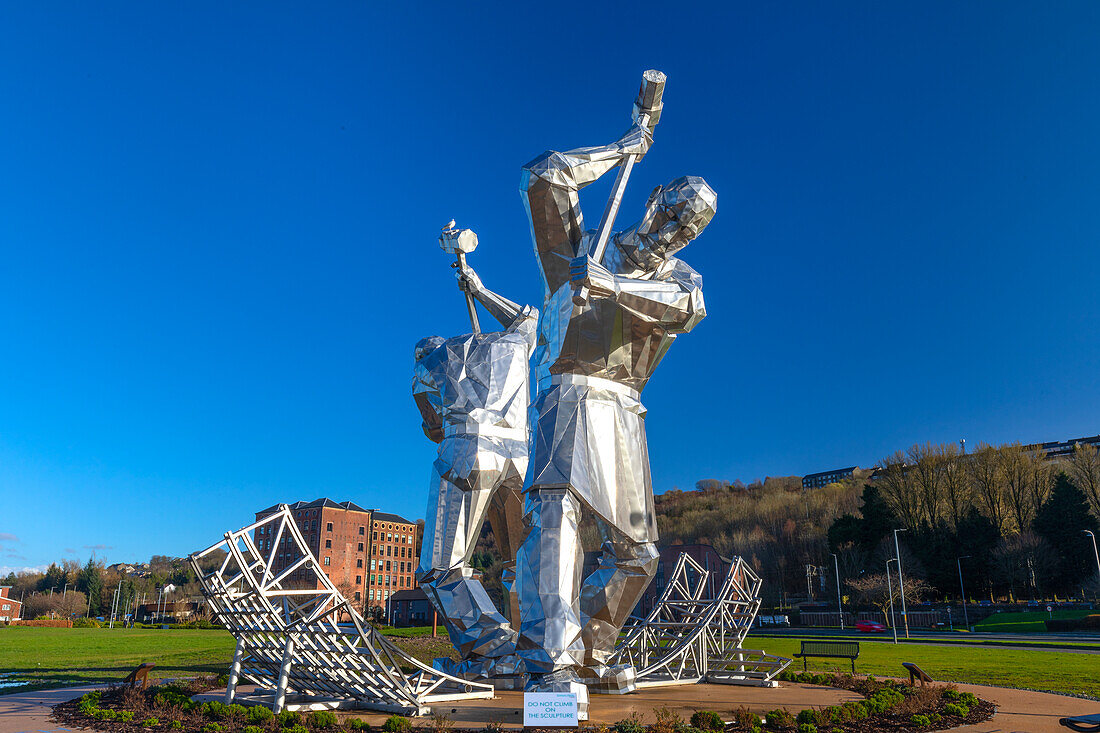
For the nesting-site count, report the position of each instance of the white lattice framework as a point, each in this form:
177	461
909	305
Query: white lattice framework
694	634
309	644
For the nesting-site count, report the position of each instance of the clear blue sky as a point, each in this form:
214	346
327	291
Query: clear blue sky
218	228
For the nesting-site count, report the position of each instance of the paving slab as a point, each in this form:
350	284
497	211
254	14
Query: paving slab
29	712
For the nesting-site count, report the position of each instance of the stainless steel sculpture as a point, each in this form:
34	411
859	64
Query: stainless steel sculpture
608	318
473	393
694	633
302	640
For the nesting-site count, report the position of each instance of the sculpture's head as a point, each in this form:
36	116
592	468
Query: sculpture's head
426	346
676	214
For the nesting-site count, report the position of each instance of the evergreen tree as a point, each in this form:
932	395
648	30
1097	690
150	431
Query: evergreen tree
91	584
54	579
1061	521
878	519
978	537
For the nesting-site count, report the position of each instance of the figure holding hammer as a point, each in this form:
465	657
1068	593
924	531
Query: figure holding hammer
473	392
614	302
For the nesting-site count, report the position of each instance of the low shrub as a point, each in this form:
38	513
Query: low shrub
666	720
150	723
288	719
855	709
954	708
920	720
357	724
806	716
126	716
213	728
222	680
259	714
252	729
215	710
779	718
629	725
396	724
322	719
707	720
176	725
86	623
745	718
297	729
807	728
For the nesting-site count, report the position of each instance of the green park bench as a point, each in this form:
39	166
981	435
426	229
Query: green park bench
830	649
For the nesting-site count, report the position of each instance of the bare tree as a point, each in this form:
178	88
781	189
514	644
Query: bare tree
958	485
1016	475
927	463
985	477
1084	469
874	590
897	487
1040	481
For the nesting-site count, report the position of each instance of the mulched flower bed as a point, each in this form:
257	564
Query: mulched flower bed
888	706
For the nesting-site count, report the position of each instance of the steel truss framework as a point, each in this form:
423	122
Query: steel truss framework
694	634
308	644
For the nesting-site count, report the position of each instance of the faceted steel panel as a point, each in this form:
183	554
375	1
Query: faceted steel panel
303	638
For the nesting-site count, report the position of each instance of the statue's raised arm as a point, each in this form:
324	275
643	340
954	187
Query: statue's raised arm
550	187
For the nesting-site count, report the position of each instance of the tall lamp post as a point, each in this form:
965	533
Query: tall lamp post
958	563
901	582
1094	550
890	587
839	608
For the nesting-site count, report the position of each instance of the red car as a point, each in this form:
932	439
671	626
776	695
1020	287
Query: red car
869	627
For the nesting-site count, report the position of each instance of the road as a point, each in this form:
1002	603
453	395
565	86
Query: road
1082	641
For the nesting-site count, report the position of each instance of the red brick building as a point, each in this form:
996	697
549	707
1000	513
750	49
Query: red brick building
10	609
368	554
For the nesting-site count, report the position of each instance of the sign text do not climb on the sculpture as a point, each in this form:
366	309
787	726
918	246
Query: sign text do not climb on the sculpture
550	710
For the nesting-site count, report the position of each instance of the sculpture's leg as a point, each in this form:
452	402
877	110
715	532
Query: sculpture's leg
456	513
506	517
609	595
549	566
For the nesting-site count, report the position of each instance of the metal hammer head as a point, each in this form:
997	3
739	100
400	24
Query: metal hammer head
458	241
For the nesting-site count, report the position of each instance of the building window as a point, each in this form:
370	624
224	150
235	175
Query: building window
388	566
389	538
359	563
329	526
361	529
372	564
359	580
360	547
358	595
389	550
371	596
328	561
374	535
328	543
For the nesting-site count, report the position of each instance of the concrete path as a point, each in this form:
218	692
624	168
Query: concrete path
29	712
1021	711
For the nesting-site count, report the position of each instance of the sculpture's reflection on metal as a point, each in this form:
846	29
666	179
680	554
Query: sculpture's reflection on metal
695	636
588	444
472	392
298	636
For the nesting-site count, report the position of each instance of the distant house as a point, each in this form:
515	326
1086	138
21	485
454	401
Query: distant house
168	612
410	607
10	609
824	478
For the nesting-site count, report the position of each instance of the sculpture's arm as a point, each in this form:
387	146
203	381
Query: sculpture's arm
498	306
428	401
550	187
673	299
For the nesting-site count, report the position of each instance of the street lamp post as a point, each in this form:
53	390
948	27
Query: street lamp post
890	587
958	563
901	582
1094	550
839	608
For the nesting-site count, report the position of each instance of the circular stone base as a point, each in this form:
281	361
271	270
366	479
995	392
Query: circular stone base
507	707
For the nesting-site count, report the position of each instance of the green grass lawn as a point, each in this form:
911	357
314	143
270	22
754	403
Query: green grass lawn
46	657
1035	669
1024	621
